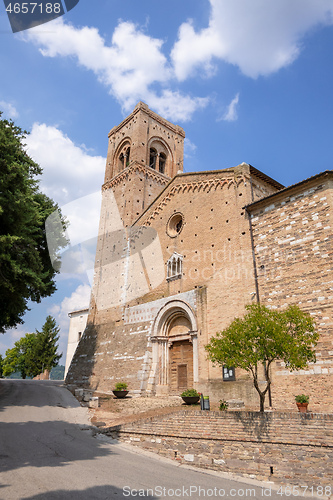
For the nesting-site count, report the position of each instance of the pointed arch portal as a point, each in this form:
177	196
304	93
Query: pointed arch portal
175	348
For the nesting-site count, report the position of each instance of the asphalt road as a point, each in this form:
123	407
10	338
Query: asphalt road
48	451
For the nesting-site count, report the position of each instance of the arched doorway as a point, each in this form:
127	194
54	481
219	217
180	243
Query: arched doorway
175	349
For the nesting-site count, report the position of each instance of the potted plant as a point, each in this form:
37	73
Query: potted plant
302	402
120	390
224	405
190	396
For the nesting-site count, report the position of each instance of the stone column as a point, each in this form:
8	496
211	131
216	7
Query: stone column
194	340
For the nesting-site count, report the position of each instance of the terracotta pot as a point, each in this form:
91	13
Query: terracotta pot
302	407
120	394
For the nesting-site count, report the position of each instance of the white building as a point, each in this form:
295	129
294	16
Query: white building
77	325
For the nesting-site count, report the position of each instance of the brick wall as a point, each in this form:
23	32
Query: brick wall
290	231
215	244
289	448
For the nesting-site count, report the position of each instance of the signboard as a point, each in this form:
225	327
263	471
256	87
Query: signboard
229	374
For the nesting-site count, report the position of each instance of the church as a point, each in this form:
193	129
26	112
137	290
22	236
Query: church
180	255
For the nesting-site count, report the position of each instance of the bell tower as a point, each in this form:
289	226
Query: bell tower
144	153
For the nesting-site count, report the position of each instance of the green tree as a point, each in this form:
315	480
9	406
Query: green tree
1	362
35	352
26	272
261	337
44	353
16	357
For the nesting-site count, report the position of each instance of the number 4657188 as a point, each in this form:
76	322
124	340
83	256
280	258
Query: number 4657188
30	7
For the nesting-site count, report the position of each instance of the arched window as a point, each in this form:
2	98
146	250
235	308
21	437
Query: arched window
121	162
175	266
161	163
124	158
152	158
128	152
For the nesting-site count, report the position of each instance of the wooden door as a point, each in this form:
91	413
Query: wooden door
181	366
182	377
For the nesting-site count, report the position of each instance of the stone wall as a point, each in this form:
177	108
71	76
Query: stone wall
293	240
119	350
288	448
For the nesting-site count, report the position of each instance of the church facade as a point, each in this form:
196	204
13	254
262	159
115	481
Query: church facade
180	255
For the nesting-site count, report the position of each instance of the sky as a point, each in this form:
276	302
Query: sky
249	81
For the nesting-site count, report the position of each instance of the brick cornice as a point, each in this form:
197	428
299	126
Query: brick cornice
204	185
136	168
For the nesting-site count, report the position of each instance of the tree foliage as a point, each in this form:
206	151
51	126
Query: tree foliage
44	355
35	352
261	337
16	357
26	272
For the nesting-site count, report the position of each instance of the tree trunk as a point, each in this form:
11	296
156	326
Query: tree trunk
262	401
262	394
268	380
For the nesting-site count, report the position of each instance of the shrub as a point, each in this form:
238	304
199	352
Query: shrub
189	393
224	405
301	398
121	386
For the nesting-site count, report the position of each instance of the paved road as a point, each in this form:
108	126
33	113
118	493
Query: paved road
48	451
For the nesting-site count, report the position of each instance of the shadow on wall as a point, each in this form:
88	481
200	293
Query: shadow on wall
255	423
81	370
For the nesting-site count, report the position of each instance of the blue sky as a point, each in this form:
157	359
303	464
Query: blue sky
248	81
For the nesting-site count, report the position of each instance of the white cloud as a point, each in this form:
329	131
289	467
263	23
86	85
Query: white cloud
231	114
128	67
189	148
69	172
9	111
176	105
79	299
8	340
82	217
258	36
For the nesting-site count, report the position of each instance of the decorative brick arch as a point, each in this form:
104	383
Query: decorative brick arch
162	148
169	310
122	149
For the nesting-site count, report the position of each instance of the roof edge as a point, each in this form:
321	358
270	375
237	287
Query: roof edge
78	311
266	178
142	106
262	201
